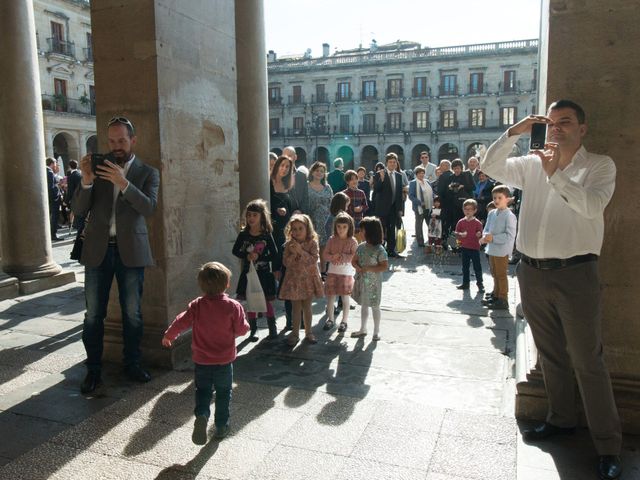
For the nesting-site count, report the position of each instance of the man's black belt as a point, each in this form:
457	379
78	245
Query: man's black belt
555	263
113	241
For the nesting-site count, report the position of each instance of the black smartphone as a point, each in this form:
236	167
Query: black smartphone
538	136
98	159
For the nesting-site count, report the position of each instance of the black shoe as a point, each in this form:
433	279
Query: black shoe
487	301
273	330
499	304
481	288
462	287
137	373
253	328
393	255
199	435
56	239
544	431
352	307
489	296
609	467
91	382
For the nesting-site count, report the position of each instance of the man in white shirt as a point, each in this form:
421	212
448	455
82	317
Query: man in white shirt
560	234
429	168
472	166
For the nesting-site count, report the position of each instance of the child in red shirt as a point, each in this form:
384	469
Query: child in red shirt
468	232
216	320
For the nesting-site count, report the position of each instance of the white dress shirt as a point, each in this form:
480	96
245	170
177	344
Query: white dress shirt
560	216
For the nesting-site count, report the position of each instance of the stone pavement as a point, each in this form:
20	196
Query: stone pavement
432	400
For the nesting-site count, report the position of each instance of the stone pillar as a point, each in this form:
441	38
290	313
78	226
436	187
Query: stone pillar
48	143
253	109
589	55
175	64
26	244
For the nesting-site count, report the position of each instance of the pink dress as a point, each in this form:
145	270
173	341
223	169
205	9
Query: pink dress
302	279
336	284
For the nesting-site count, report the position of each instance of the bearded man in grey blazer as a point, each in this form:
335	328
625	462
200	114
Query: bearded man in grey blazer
116	196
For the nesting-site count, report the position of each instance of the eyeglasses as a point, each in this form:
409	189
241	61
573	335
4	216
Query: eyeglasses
123	120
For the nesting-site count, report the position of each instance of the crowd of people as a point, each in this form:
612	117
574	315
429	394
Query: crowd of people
332	235
60	190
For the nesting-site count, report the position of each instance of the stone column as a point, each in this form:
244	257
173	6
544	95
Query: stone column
48	143
175	65
253	109
26	244
589	55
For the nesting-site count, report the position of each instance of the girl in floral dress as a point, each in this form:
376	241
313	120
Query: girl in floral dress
339	253
302	282
369	261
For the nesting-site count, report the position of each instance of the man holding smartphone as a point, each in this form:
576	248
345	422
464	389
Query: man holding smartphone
117	196
560	233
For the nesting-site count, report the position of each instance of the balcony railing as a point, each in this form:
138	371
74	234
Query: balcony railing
368	96
62	104
296	132
450	91
344	130
479	89
509	88
343	97
396	94
421	92
393	128
320	98
368	129
275	100
296	99
420	127
276	132
61	47
88	54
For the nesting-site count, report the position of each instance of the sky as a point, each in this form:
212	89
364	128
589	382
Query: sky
293	26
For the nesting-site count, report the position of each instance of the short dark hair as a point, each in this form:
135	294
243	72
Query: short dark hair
390	156
418	169
470	201
213	278
379	166
49	161
424	152
73	164
338	203
503	189
580	115
457	163
372	229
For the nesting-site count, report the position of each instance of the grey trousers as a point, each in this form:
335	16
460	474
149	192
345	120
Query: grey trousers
419	220
563	309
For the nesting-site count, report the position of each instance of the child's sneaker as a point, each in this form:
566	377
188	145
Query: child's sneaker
221	432
342	327
199	436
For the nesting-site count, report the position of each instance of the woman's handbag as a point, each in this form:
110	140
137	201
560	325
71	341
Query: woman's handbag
401	238
255	295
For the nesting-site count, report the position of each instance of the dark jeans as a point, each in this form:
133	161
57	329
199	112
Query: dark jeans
208	378
468	256
96	291
54	209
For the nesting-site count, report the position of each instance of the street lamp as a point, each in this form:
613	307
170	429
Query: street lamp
317	126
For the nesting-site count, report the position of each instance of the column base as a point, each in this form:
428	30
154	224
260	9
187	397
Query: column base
33	272
531	397
8	287
28	287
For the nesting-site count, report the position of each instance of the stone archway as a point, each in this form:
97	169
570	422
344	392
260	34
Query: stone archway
369	157
473	149
64	145
399	151
322	155
302	156
415	153
346	153
448	151
92	144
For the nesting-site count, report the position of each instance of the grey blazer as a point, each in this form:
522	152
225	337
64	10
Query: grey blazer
138	201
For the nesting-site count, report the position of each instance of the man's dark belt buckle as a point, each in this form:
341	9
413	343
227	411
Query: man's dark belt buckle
556	263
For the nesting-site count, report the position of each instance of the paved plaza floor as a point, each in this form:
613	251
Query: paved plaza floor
432	400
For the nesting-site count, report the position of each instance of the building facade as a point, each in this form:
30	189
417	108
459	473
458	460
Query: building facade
65	55
361	104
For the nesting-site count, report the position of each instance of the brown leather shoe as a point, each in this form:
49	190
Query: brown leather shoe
544	431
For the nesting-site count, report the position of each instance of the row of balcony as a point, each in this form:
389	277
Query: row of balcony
388	129
399	95
67	49
63	104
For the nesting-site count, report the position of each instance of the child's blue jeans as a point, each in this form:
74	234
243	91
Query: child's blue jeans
209	378
468	256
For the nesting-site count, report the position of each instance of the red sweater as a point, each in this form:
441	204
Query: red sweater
216	320
472	227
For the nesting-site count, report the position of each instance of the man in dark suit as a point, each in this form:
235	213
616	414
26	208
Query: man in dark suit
53	192
119	195
74	178
387	185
